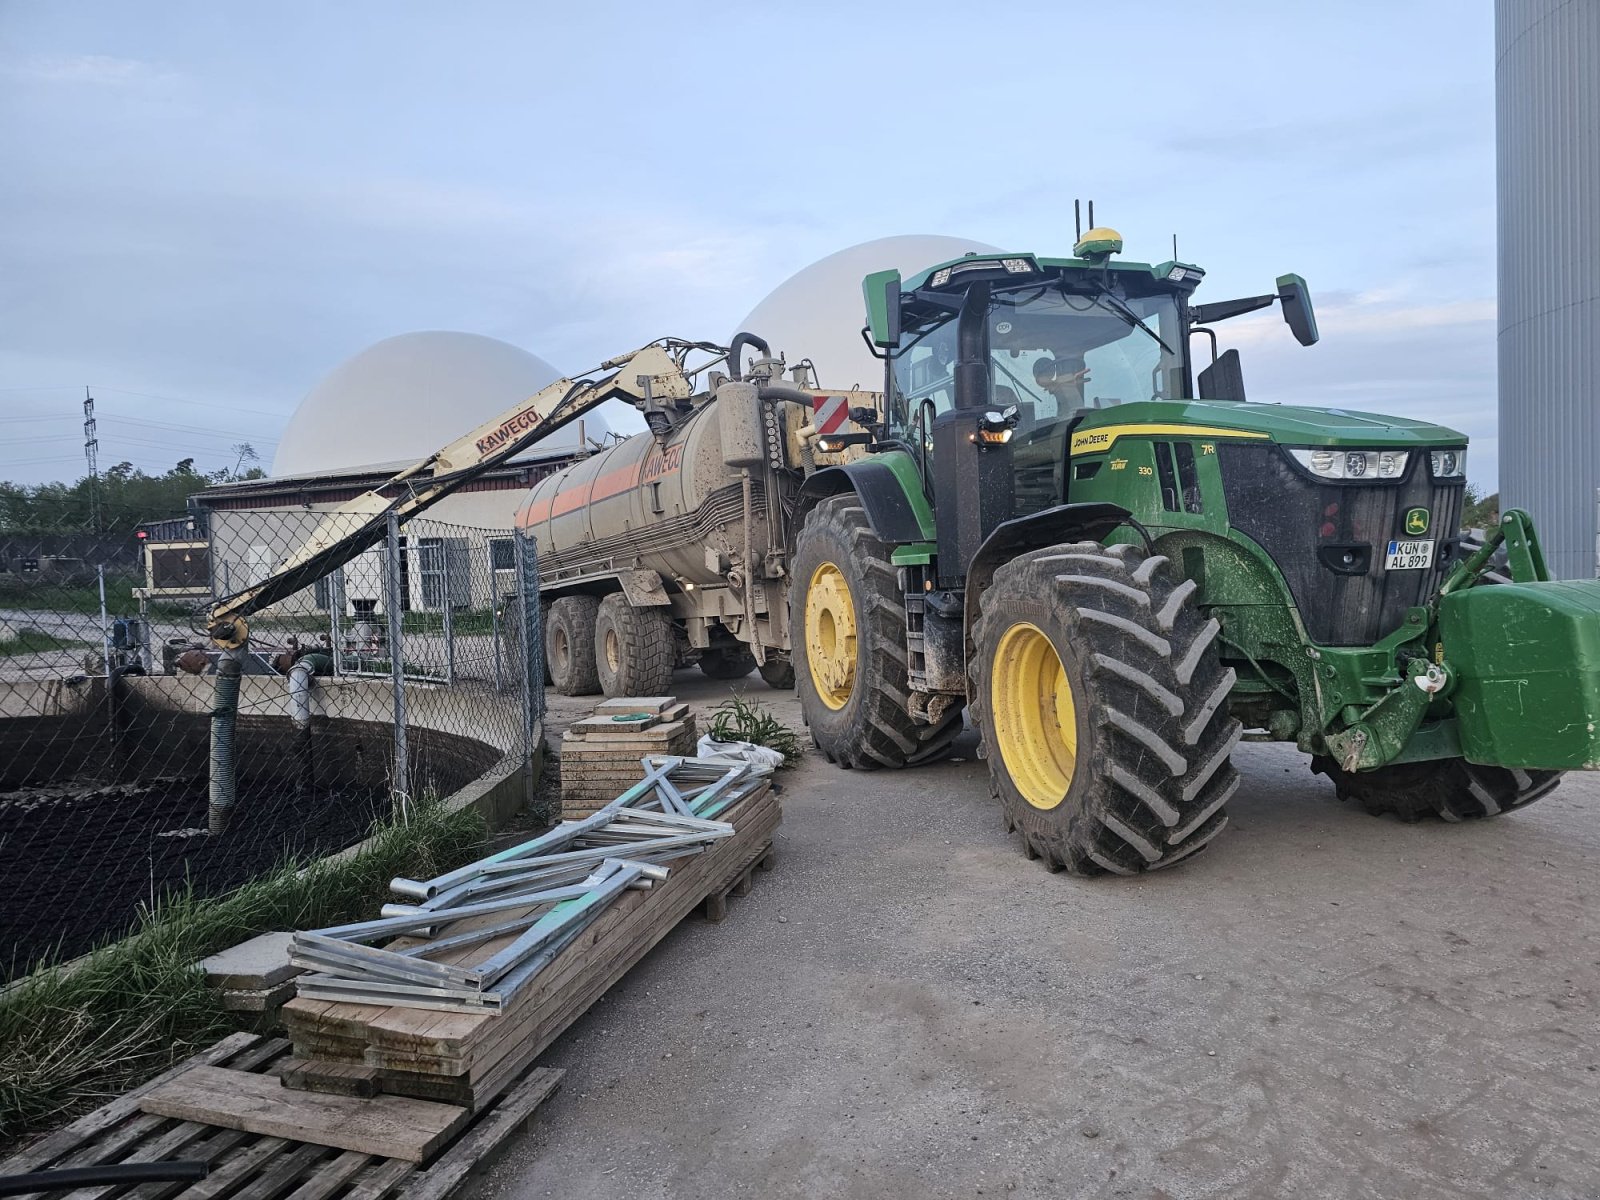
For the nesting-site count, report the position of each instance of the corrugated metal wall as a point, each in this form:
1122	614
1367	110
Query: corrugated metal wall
1547	82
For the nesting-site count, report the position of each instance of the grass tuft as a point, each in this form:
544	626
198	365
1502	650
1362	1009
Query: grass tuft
739	720
75	1035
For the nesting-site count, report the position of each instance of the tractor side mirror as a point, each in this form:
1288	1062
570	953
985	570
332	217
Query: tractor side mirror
1297	311
882	291
1223	379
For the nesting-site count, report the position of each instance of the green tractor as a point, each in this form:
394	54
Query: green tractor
1121	568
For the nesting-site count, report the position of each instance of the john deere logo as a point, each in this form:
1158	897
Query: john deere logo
1417	521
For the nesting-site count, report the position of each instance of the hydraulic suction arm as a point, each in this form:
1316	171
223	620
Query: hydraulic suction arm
647	376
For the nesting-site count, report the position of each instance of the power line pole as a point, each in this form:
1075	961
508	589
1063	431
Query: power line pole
91	446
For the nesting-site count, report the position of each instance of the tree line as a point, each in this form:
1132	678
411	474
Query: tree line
121	498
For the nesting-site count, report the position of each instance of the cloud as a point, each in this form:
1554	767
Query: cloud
91	70
1385	351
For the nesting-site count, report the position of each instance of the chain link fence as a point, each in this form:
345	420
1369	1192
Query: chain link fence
410	672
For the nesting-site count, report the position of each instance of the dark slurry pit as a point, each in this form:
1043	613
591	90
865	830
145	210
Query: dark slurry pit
80	858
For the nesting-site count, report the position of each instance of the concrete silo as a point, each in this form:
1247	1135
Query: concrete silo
1547	89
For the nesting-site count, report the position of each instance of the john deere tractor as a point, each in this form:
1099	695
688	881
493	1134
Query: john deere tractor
1120	567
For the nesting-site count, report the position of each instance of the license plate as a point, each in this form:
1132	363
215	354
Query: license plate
1408	556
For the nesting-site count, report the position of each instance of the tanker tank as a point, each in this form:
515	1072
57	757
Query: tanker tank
673	505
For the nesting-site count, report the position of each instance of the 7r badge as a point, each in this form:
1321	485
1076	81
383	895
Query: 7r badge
1416	521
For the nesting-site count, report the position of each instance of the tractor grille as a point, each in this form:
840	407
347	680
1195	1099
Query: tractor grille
1310	529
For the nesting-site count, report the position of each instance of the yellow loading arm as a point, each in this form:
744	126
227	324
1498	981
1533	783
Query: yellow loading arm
647	376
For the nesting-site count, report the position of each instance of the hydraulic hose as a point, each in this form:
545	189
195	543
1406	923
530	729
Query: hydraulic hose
224	717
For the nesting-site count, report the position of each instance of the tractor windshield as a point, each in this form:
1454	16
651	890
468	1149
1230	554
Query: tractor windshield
1054	351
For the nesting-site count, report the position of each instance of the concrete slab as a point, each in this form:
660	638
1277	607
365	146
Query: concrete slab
260	963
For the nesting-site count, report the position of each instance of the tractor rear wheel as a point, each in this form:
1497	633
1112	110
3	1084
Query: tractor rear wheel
634	648
849	645
733	663
569	645
1450	789
1104	709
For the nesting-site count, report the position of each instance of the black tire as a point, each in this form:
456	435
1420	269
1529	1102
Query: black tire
873	727
1154	735
733	663
569	645
1450	789
633	648
778	673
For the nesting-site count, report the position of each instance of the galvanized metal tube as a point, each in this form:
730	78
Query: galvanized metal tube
562	835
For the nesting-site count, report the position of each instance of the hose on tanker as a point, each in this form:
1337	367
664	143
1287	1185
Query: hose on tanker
788	395
736	351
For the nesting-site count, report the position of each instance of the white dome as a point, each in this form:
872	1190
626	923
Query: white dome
401	399
817	313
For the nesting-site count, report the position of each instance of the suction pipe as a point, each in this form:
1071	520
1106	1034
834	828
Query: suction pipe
224	716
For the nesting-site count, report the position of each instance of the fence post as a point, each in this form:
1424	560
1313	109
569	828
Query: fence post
397	668
449	611
336	618
532	638
494	618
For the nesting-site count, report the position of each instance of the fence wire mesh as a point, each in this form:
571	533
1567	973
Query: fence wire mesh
400	676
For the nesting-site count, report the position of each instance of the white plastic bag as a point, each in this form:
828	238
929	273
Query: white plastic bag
763	759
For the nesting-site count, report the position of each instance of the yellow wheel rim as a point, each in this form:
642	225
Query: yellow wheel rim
1035	719
613	651
830	634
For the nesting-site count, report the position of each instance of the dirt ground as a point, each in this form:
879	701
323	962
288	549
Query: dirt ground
1321	1004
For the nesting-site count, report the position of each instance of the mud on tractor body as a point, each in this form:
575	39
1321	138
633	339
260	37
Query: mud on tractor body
1121	567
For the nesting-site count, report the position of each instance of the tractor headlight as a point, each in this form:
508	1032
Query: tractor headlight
1354	464
1448	464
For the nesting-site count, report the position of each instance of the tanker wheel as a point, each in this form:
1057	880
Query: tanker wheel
1104	709
849	652
778	673
634	648
569	645
733	663
1450	789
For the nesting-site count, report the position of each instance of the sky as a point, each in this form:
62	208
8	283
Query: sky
206	207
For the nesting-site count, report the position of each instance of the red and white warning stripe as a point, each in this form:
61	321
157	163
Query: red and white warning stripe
829	413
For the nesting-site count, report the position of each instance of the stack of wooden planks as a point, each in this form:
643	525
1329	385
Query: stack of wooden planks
225	1108
600	754
467	1059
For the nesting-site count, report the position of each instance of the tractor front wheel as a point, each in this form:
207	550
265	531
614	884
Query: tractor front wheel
1104	709
848	619
1450	789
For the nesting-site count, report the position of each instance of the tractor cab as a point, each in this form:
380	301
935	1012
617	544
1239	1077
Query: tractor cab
1011	353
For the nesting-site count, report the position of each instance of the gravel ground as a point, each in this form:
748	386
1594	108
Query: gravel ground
1320	1004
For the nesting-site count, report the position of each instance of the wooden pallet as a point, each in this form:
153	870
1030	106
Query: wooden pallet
464	1057
715	906
260	1166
